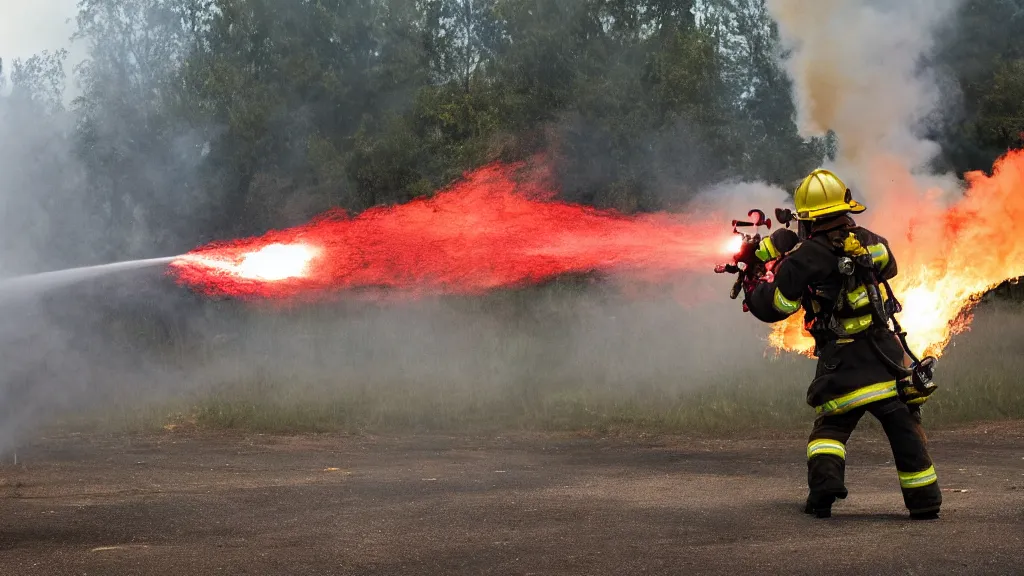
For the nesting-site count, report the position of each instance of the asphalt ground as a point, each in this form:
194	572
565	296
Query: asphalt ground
187	503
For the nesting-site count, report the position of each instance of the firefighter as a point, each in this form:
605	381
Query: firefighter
862	365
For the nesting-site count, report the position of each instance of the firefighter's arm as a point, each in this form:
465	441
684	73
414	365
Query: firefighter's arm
779	298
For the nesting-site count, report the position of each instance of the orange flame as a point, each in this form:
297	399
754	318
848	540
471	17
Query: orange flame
947	258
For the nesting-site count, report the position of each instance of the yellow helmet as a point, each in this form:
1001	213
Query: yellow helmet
822	193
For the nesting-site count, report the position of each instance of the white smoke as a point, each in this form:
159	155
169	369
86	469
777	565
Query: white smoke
857	70
29	28
735	199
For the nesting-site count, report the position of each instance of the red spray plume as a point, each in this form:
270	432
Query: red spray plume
497	227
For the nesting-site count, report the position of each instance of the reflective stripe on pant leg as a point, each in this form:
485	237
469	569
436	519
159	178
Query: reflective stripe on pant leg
826	449
918	479
824	446
858	398
916	471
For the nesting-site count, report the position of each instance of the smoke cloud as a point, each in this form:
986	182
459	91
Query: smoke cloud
29	28
130	342
857	71
133	341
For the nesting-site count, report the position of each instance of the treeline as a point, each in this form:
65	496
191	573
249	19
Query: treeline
203	119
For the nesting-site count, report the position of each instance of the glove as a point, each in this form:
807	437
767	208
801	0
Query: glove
778	244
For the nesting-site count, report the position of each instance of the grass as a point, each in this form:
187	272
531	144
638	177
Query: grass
970	391
711	409
980	379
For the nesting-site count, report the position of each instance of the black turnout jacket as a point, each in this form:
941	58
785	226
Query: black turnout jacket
808	278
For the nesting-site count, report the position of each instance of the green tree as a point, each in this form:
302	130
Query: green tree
1000	122
44	224
294	88
140	156
748	43
977	53
214	118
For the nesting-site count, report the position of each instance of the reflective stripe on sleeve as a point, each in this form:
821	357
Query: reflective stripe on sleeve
767	250
785	305
879	255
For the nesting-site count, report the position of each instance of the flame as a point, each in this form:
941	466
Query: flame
732	245
277	262
947	257
271	263
501	226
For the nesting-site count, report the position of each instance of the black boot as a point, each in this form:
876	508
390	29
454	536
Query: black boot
925	514
819	505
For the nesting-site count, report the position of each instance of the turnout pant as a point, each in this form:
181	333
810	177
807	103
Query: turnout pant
826	454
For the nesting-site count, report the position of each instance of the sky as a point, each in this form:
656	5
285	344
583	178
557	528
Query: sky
28	27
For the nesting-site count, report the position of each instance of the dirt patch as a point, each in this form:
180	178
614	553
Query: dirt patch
191	503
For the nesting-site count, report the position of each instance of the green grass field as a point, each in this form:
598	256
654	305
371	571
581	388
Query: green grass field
515	384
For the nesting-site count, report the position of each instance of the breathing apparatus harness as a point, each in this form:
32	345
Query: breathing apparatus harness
856	266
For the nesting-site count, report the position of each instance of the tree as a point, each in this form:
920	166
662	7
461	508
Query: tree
762	93
1000	122
44	225
977	55
140	157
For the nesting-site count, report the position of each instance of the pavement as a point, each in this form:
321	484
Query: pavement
190	502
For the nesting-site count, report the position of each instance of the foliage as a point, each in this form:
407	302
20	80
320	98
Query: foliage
203	119
981	53
197	120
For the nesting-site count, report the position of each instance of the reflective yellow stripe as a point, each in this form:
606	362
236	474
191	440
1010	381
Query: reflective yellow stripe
785	305
855	325
767	250
911	395
857	398
819	447
858	297
918	479
879	255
